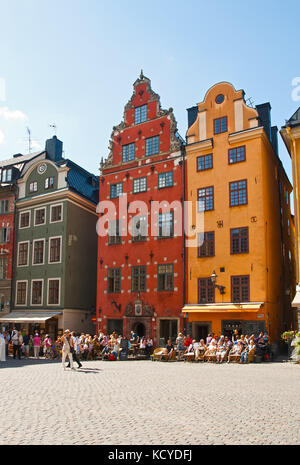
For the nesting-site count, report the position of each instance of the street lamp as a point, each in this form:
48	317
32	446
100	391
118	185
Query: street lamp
214	281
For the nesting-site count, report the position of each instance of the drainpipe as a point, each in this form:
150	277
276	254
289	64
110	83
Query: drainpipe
14	233
183	228
288	130
296	207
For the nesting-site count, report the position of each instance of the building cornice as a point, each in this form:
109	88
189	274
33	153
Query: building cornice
62	194
200	145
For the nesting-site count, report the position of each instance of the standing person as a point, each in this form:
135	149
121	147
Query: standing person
76	347
36	345
2	347
7	339
67	349
26	340
17	341
47	345
180	345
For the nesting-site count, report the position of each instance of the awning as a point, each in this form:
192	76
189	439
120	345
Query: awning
223	308
28	317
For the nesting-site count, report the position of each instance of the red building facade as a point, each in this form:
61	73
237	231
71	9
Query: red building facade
141	260
7	234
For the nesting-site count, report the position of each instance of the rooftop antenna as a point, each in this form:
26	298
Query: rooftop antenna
29	139
54	127
250	102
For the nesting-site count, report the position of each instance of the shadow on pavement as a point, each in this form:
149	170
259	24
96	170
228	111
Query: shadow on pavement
16	363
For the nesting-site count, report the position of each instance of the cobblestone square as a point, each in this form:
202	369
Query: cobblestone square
144	402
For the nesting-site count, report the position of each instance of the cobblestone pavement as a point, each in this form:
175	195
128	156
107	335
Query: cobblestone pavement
144	402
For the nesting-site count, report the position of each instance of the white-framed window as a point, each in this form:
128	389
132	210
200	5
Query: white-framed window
40	216
21	293
7	175
33	187
4	206
24	219
37	291
23	254
38	252
140	185
55	249
53	292
49	183
56	213
4	235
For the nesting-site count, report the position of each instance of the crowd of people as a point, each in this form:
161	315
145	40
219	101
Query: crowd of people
217	348
82	347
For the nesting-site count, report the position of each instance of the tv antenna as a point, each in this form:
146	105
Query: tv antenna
54	127
29	139
250	102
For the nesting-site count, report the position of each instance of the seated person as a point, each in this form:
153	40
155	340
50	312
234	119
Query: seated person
211	351
221	350
143	343
227	342
249	349
190	353
134	338
167	352
200	350
236	351
188	341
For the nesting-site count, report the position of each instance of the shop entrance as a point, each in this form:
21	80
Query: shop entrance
168	330
201	332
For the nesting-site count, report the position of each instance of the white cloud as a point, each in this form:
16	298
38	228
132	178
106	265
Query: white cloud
2	137
12	115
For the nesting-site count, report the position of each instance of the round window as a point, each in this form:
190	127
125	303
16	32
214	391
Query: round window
220	98
42	168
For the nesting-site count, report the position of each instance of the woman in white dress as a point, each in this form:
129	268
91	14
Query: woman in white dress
2	348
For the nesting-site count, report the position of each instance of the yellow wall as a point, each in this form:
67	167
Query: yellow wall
262	213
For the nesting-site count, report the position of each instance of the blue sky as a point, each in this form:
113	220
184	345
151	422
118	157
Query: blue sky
73	63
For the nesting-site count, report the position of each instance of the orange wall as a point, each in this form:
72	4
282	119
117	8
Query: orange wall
262	213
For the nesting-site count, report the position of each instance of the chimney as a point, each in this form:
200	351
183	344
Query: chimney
274	134
192	115
54	149
264	113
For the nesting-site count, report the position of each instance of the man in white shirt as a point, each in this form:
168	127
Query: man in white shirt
17	340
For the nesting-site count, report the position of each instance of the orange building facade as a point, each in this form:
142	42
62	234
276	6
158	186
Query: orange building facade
238	186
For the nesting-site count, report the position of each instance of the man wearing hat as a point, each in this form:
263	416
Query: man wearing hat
67	349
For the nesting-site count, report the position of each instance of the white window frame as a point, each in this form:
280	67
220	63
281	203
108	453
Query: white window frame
19	243
25	227
31	295
34	190
62	213
59	294
49	250
16	298
34	213
33	242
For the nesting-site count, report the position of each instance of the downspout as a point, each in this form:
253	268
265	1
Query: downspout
288	130
183	228
296	210
14	232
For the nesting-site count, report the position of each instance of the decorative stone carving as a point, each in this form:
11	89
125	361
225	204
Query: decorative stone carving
129	310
